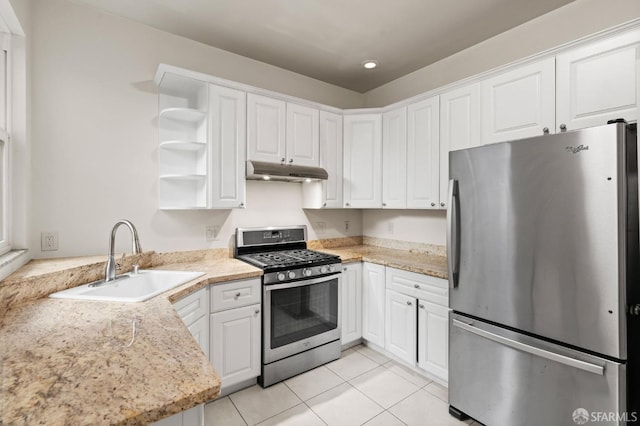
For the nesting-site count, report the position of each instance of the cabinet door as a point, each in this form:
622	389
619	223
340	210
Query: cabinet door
433	339
519	103
331	158
400	326
235	344
351	303
599	82
303	135
200	331
228	110
423	159
266	128
394	159
459	128
363	161
373	303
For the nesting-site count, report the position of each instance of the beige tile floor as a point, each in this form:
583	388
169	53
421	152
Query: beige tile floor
363	387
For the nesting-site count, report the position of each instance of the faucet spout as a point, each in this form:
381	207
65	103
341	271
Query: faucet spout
110	270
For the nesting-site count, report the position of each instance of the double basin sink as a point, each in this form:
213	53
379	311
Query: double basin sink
130	287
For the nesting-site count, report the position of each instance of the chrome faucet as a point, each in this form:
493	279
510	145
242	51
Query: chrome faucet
110	270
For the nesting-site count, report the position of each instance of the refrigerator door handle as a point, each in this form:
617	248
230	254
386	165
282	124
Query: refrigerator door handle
572	362
453	236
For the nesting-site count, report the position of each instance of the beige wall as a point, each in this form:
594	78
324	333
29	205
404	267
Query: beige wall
95	135
571	22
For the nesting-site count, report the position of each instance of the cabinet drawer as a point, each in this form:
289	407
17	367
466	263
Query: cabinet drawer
235	294
193	306
425	287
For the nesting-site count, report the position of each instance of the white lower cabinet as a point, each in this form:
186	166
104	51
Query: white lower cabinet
417	321
351	310
373	301
194	311
400	326
433	339
235	344
235	331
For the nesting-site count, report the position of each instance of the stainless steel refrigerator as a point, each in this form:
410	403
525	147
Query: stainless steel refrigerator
543	273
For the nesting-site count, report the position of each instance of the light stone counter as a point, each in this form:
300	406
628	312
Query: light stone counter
69	362
420	262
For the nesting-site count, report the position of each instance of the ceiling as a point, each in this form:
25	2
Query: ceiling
329	39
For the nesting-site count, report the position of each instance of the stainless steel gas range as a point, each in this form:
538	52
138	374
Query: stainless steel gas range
300	299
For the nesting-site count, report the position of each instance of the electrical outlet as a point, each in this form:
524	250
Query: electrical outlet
346	225
211	232
321	227
49	241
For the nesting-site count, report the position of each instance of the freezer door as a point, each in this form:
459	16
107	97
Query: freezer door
537	232
500	377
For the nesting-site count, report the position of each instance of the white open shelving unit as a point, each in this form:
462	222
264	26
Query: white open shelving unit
183	150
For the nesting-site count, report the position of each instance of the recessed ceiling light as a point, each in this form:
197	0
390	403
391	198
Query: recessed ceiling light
266	177
370	64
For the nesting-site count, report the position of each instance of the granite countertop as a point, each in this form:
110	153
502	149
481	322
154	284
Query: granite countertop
75	362
422	263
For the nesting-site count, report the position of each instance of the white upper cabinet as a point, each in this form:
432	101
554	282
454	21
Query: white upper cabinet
331	158
227	109
459	128
302	135
423	159
363	161
266	137
519	103
394	159
599	82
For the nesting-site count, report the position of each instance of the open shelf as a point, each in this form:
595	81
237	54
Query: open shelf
189	115
183	145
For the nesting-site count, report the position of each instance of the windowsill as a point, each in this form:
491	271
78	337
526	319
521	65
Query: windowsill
11	261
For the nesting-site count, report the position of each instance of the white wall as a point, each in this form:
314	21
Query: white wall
573	21
95	135
419	226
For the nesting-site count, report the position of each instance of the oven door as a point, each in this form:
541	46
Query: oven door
300	315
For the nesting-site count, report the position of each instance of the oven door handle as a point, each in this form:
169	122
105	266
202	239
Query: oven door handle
300	283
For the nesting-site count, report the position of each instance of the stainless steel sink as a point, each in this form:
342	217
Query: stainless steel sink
130	287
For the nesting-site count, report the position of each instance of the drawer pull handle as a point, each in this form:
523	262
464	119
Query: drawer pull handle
237	295
421	306
408	303
257	311
416	285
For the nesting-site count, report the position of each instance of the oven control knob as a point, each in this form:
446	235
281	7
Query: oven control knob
281	276
331	268
307	272
324	269
291	275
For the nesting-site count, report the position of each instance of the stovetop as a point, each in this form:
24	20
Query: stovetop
270	260
283	255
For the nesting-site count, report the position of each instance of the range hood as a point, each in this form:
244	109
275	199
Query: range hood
262	170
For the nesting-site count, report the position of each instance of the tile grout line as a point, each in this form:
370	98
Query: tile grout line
238	410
